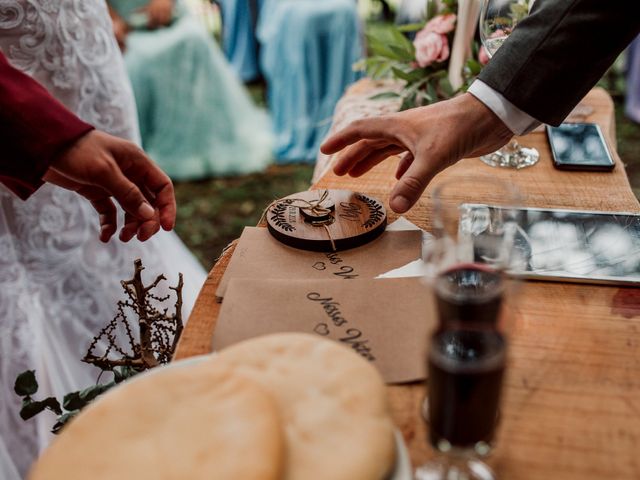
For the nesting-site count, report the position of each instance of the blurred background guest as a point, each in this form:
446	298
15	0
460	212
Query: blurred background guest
239	20
632	98
196	119
308	49
411	11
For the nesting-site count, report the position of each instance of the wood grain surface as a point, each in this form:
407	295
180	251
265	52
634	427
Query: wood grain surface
571	408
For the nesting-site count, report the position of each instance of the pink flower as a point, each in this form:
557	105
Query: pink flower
441	24
431	47
483	56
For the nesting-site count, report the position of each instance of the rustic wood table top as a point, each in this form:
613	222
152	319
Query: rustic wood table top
571	405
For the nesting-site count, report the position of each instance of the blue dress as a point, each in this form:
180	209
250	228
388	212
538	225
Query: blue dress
196	118
308	49
239	18
632	100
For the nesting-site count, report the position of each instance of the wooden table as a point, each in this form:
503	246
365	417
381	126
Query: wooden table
572	399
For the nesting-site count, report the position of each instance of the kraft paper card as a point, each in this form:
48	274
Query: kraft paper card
259	255
386	321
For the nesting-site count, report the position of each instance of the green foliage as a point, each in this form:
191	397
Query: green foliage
384	95
212	213
26	385
120	374
80	399
441	7
410	27
410	76
392	55
391	45
444	85
30	408
449	6
519	11
63	420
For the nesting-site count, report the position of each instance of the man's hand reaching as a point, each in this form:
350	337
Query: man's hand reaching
430	138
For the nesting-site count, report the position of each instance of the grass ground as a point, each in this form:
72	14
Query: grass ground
212	213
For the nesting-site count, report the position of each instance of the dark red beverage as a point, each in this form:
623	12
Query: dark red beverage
465	378
469	293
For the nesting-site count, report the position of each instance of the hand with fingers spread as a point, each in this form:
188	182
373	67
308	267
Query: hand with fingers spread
431	138
103	168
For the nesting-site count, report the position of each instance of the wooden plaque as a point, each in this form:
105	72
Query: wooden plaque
326	220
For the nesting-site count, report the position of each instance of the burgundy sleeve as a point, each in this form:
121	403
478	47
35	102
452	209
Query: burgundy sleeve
34	129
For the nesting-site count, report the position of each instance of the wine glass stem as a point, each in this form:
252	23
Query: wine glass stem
512	147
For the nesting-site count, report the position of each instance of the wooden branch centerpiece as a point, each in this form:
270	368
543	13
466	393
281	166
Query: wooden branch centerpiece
158	330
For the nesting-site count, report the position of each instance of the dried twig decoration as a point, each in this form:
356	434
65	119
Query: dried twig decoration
158	331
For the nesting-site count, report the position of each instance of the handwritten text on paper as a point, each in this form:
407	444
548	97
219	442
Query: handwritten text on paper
350	336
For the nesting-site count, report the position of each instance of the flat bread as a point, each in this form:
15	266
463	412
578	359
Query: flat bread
333	404
198	421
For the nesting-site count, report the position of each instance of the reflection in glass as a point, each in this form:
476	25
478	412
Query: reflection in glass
498	18
563	244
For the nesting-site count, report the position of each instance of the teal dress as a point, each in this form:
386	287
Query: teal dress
196	118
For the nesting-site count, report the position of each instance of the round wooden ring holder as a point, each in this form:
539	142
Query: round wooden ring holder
326	220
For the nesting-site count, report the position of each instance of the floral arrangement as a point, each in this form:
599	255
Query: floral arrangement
425	64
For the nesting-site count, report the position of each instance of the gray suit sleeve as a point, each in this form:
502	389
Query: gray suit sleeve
559	52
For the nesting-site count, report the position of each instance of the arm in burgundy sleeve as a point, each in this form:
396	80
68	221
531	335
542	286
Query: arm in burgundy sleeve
34	129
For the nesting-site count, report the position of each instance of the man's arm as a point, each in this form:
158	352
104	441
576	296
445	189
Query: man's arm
431	138
556	54
545	67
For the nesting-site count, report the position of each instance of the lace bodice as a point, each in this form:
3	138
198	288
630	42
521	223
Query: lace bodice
58	284
68	46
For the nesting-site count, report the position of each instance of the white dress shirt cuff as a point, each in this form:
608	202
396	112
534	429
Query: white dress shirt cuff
519	122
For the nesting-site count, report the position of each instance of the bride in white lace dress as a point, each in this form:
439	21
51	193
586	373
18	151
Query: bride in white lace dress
58	283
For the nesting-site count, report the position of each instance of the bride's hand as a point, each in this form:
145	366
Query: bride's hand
160	13
103	168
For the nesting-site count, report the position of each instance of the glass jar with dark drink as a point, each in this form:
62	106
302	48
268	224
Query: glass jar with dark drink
468	293
466	358
465	378
466	263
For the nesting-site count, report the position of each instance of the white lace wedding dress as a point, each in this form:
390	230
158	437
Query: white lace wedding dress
58	284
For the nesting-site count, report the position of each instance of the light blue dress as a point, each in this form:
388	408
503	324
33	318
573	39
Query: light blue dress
239	18
196	118
632	99
308	49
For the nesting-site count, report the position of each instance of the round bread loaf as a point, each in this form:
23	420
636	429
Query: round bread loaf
198	421
333	404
